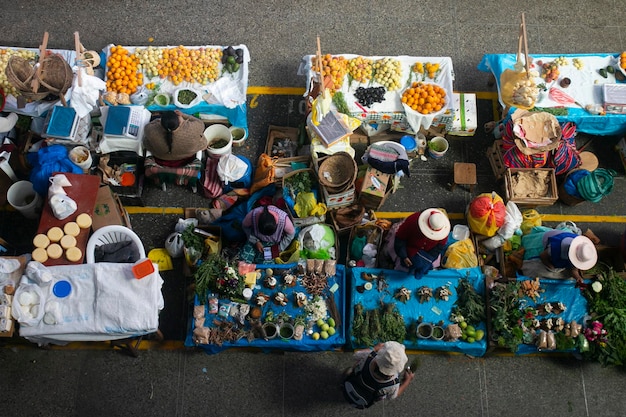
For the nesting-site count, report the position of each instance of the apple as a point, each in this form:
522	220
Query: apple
315	336
330	331
320	322
331	322
325	327
324	334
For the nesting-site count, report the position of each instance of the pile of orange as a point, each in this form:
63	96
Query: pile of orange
622	60
335	67
424	98
122	71
200	65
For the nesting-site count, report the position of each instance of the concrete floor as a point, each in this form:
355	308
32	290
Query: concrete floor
169	380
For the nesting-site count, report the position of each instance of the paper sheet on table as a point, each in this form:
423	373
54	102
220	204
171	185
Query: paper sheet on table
106	302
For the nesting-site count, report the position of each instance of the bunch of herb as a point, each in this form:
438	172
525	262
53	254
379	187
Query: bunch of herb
506	314
392	324
609	307
216	275
359	326
340	102
192	240
469	303
299	182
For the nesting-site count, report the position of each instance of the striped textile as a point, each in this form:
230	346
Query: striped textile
185	175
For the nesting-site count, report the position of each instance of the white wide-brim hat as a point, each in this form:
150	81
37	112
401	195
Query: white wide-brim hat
391	358
582	253
434	224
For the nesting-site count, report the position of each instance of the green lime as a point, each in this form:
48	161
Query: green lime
331	322
330	331
463	325
479	335
470	340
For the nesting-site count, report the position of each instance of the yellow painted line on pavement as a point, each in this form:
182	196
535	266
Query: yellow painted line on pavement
285	91
154	210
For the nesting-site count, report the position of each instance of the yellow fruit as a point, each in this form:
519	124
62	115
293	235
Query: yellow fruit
331	331
479	335
324	334
315	336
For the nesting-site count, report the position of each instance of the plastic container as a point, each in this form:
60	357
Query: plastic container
142	268
239	135
460	232
215	135
437	147
23	197
81	157
62	289
409	143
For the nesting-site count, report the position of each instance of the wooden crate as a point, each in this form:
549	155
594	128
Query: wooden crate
304	221
374	234
494	154
527	202
340	199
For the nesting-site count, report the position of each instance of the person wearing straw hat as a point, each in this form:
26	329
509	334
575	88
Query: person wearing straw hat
566	250
419	240
376	375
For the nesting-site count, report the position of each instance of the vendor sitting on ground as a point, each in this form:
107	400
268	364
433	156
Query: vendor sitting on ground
419	240
266	227
174	138
566	250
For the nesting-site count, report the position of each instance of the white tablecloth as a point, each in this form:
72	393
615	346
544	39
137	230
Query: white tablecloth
106	302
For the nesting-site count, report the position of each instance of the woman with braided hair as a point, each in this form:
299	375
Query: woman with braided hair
174	138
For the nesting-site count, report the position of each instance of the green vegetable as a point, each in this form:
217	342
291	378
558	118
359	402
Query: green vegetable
186	96
192	240
299	182
469	303
610	69
603	72
556	111
340	102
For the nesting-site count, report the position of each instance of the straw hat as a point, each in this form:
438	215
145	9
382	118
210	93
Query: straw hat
391	358
582	253
434	224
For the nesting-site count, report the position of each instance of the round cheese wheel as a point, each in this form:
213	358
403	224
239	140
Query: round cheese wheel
84	220
40	255
68	241
41	241
73	254
71	228
54	251
55	234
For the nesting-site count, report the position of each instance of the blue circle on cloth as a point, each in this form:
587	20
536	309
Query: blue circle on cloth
408	142
62	289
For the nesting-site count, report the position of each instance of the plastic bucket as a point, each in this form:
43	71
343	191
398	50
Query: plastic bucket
81	157
437	147
219	140
239	135
409	143
23	198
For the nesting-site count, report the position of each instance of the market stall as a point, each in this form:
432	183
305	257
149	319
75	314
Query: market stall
422	313
573	87
285	307
208	80
372	87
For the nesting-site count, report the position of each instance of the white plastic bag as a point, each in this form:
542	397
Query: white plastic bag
28	304
62	206
230	168
512	221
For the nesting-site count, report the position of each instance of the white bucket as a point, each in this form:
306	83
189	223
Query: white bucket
239	135
81	156
23	198
215	133
440	145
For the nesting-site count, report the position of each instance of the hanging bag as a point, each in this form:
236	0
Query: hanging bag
265	172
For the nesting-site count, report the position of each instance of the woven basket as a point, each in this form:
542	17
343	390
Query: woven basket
55	78
337	172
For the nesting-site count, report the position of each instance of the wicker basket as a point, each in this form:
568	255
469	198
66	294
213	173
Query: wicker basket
337	172
55	78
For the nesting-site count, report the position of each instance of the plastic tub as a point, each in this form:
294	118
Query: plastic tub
215	135
437	147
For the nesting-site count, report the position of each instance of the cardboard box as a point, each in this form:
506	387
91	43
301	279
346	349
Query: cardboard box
375	188
338	200
522	201
285	164
130	162
465	115
358	137
304	221
109	210
614	98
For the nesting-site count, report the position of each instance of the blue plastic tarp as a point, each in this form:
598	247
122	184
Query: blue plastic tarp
307	343
556	290
431	311
605	125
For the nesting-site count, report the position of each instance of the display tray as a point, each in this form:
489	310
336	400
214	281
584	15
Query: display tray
307	343
432	311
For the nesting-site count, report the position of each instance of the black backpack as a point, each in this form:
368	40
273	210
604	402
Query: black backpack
361	389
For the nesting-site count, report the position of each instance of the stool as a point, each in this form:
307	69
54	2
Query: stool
464	174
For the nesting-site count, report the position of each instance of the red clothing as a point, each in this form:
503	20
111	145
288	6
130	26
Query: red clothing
415	240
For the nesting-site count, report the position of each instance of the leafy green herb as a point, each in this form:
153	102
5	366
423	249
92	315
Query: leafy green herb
192	240
556	111
186	96
299	182
340	102
469	303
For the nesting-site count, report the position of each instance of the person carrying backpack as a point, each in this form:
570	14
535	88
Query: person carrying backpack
376	375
